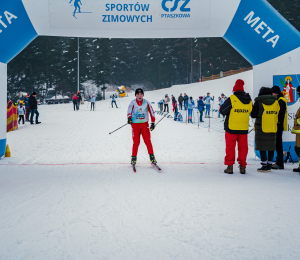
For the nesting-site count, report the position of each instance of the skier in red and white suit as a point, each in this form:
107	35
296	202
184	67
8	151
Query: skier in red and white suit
138	116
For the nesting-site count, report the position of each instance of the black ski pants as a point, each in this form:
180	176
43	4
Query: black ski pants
264	157
21	117
279	148
93	106
166	107
75	105
180	105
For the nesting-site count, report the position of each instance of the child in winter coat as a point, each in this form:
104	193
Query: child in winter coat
93	100
201	108
191	105
21	112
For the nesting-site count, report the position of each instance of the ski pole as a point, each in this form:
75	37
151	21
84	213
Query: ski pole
198	120
118	128
161	119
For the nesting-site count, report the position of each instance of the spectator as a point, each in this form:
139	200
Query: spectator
78	100
27	108
161	105
201	108
237	110
185	100
166	103
180	100
75	98
265	110
93	100
207	102
21	112
175	109
222	100
296	131
33	108
191	105
282	126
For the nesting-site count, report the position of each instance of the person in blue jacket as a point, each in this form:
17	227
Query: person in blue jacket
113	100
207	101
191	105
201	108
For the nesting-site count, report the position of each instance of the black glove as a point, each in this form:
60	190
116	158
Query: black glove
129	120
152	126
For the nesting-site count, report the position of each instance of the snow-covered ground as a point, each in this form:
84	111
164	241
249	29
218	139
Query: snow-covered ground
68	191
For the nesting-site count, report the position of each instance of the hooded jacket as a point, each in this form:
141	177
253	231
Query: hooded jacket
263	141
227	106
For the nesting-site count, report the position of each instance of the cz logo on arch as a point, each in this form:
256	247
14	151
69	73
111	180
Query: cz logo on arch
183	7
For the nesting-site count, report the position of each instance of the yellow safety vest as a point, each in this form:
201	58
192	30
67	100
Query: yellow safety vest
239	114
270	118
285	123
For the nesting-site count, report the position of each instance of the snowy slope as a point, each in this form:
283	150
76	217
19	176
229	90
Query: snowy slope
68	191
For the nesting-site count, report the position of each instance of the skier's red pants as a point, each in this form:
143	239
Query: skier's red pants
231	140
137	130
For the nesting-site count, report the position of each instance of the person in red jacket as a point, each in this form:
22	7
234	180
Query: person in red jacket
75	98
138	116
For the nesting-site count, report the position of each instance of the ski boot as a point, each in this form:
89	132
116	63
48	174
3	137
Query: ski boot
133	160
229	170
152	159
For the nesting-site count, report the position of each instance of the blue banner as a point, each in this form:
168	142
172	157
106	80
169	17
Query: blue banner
16	30
260	33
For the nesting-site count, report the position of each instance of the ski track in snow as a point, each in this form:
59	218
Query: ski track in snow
96	207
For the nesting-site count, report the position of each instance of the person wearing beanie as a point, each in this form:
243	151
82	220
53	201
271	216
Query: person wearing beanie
138	116
222	100
296	131
33	108
201	108
282	126
180	100
191	105
265	111
166	103
207	101
78	100
237	109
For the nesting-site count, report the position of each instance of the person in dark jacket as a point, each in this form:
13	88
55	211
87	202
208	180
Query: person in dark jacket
27	108
237	110
79	99
201	107
185	100
75	98
33	108
180	100
282	126
265	129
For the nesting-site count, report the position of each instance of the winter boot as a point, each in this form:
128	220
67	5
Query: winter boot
297	169
277	167
264	168
133	160
229	170
152	159
242	169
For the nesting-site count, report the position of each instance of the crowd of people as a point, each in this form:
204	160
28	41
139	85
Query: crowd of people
186	103
27	109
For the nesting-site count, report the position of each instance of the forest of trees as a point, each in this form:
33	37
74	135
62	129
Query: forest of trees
51	62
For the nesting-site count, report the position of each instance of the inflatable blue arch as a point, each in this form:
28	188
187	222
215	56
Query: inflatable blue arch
253	27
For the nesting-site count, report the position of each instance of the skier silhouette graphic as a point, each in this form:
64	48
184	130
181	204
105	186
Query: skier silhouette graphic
77	6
